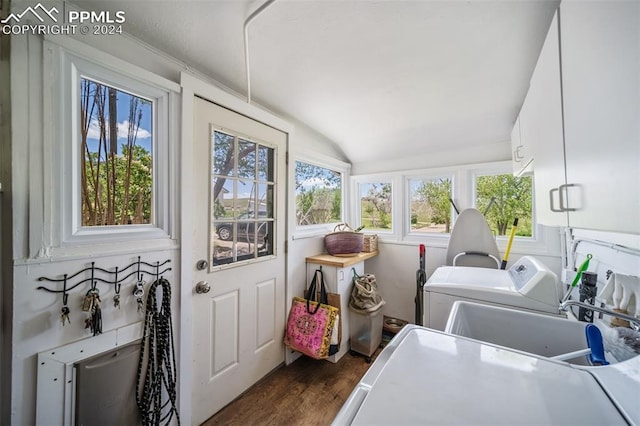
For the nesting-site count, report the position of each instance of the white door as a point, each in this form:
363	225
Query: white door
238	227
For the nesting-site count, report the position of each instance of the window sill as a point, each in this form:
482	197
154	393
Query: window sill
75	252
547	242
311	231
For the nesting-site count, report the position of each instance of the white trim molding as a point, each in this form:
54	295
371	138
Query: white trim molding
65	62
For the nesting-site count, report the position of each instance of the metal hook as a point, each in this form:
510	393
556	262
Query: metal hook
355	274
65	295
139	275
117	284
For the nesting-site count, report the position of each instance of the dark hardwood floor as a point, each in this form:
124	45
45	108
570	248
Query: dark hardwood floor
307	392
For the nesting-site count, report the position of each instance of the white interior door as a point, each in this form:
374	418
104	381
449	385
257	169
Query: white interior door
238	227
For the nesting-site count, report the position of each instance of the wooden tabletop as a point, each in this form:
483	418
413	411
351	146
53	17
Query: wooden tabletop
340	261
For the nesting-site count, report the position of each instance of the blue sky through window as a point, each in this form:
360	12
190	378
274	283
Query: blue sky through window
309	177
144	132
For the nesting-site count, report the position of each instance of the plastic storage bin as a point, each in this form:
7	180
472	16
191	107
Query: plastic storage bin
366	332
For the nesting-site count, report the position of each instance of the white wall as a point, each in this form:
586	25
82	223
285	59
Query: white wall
306	140
37	325
491	152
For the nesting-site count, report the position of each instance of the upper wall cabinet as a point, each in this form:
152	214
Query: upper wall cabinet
522	157
600	48
585	138
545	131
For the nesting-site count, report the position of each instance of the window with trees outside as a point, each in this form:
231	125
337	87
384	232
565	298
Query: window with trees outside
503	198
318	194
430	205
375	205
110	166
116	143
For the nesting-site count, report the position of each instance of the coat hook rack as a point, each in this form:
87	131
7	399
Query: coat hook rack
110	277
115	277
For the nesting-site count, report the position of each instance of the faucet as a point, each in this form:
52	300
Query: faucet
565	305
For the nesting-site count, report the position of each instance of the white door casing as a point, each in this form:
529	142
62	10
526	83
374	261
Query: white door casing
238	325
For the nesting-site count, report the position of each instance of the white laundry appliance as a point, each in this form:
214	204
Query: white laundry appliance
528	285
424	376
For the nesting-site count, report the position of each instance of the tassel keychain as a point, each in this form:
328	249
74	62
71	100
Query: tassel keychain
96	319
91	304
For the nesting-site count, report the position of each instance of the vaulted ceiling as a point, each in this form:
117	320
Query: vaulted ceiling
384	79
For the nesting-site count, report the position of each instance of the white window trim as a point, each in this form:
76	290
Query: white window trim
463	194
397	208
502	169
211	227
67	60
308	231
407	233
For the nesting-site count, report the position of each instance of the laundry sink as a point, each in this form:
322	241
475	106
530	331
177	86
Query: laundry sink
540	334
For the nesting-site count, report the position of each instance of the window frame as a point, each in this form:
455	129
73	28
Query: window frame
255	256
494	171
463	194
65	66
304	231
407	231
396	209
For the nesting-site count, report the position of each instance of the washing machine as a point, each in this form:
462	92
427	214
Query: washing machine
528	285
425	376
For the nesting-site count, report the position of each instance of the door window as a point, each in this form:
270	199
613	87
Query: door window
242	185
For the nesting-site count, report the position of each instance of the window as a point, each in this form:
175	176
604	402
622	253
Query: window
430	205
503	198
318	192
116	145
375	205
110	172
425	211
243	173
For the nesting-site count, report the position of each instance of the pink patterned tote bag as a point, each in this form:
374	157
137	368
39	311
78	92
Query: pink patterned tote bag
310	324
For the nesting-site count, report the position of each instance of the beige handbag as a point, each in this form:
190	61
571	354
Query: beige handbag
364	296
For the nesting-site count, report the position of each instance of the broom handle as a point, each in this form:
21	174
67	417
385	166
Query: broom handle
508	250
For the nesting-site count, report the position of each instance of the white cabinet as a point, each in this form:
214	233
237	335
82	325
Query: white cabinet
338	277
515	143
521	153
600	47
545	131
582	120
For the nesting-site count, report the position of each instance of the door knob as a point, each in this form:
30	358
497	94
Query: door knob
202	265
203	287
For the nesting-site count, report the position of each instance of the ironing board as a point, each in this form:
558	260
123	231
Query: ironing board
472	243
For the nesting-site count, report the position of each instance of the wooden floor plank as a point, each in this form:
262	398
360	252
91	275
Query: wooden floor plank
307	392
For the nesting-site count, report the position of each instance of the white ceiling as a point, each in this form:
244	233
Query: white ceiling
383	79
